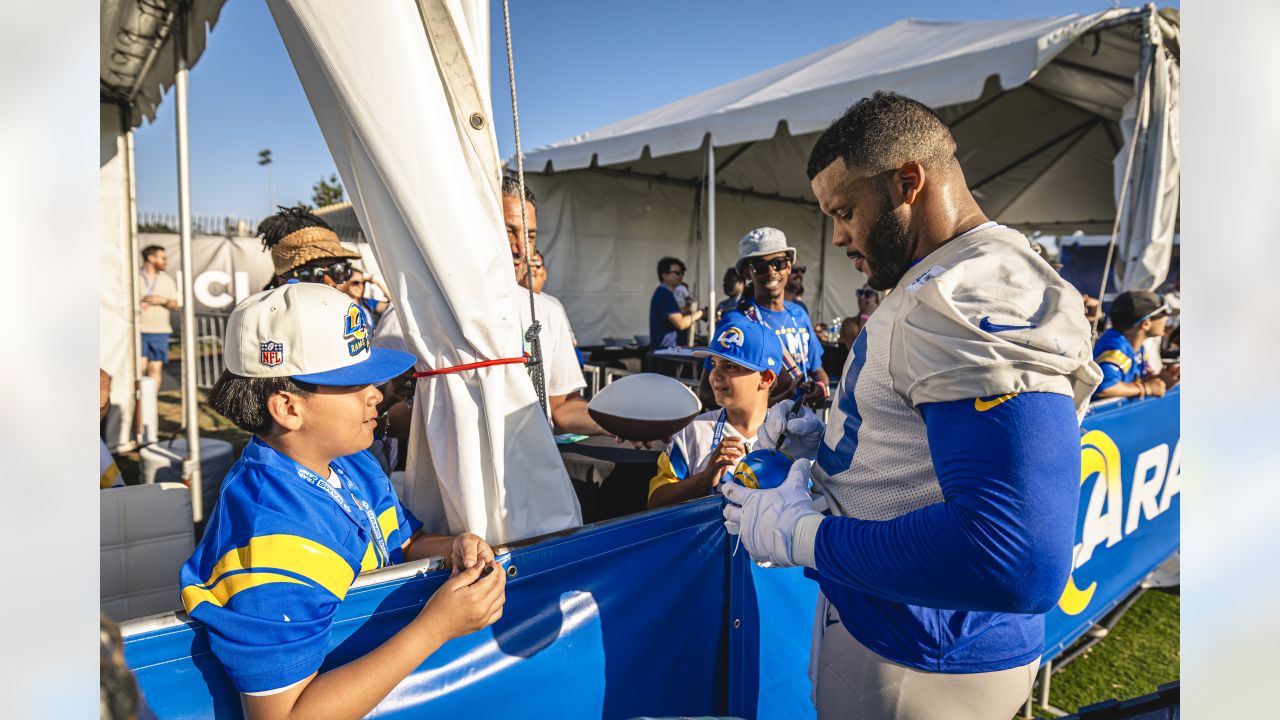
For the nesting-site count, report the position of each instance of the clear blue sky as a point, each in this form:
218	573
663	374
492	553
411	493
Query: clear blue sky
579	65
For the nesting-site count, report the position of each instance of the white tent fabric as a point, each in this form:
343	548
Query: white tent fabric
1035	106
395	104
1149	214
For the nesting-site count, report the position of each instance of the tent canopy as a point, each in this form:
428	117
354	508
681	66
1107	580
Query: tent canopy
137	59
1035	107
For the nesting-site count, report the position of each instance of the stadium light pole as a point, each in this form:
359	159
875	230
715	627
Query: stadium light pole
264	158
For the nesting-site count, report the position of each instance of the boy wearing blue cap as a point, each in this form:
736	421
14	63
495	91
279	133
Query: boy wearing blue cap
307	508
745	360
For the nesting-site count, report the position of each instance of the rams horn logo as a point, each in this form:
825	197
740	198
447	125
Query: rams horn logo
271	353
355	332
731	336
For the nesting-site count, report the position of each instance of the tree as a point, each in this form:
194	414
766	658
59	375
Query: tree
327	192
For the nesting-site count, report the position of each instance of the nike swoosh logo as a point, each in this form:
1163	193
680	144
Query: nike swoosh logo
984	405
986	325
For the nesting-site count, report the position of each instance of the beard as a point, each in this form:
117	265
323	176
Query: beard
888	246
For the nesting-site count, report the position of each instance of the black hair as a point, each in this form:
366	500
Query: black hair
511	188
243	400
665	264
150	250
287	220
881	133
731	274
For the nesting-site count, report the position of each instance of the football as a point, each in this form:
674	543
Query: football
644	407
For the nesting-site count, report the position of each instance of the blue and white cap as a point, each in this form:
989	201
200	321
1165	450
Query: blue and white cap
309	332
746	343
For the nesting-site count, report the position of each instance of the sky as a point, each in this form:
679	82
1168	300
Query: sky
579	65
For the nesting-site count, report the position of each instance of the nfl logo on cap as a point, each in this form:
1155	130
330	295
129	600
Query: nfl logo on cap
270	353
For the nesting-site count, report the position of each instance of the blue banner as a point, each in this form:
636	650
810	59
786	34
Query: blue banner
1129	518
651	615
614	621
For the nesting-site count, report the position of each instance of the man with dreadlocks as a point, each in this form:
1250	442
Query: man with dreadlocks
304	248
951	461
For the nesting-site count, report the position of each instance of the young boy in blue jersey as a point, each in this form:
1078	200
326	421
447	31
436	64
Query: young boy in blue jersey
307	508
744	365
1135	316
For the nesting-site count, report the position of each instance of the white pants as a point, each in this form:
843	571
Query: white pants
851	681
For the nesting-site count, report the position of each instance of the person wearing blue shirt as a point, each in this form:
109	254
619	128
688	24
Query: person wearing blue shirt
666	318
1135	315
765	259
950	462
307	508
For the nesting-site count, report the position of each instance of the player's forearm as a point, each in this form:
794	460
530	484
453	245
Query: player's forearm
1000	541
353	690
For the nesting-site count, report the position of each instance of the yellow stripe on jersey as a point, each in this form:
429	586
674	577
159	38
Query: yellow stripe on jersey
300	555
108	477
221	594
1115	357
370	560
666	474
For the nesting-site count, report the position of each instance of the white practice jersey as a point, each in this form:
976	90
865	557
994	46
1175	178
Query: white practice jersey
981	316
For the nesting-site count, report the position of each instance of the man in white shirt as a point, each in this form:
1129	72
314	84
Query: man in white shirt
159	296
561	372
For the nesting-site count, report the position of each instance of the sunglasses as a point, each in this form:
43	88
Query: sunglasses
797	269
677	272
356	283
866	293
535	264
762	266
339	272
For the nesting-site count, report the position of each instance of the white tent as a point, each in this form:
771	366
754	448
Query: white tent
145	48
401	93
1036	107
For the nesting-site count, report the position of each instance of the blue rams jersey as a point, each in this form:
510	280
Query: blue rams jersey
794	330
1118	360
279	553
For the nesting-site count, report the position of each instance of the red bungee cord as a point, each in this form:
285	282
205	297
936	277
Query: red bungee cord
524	359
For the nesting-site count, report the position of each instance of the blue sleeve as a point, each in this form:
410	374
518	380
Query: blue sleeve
1001	540
268	601
667	303
1111	374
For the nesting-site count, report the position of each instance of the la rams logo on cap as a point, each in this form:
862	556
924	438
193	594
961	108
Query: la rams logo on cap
355	332
271	353
731	336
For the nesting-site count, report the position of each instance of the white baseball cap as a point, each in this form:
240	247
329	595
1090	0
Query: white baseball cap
763	241
309	332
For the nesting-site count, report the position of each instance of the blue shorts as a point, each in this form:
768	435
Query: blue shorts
155	346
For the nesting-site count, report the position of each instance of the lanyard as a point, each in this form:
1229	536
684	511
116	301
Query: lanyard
316	480
793	367
149	289
374	527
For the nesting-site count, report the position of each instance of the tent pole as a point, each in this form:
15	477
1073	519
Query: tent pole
191	465
131	227
711	236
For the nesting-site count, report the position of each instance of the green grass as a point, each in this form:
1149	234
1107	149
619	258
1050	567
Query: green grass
1140	654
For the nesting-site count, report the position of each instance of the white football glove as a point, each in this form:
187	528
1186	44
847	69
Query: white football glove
804	432
777	525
